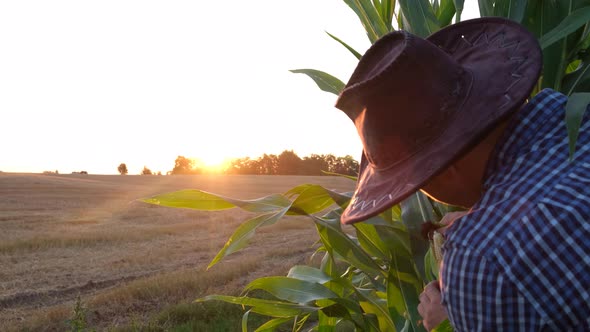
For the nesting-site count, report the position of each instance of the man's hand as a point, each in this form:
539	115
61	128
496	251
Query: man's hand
430	308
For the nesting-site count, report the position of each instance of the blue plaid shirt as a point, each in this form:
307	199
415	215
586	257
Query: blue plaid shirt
520	260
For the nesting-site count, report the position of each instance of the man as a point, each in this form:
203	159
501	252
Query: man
446	115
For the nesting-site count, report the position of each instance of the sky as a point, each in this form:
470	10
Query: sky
87	85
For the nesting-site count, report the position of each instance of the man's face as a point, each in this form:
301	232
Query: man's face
452	187
461	183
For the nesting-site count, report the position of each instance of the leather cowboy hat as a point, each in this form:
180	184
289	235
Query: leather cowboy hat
419	104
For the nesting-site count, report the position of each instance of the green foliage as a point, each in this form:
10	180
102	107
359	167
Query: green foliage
325	81
445	326
212	316
369	281
419	17
78	321
574	111
570	24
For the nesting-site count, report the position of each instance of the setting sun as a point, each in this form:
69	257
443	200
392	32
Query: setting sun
212	162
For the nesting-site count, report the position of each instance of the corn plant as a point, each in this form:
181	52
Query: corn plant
370	280
370	276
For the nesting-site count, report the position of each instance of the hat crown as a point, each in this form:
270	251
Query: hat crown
405	92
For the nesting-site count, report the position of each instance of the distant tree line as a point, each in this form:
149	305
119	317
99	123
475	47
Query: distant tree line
286	163
289	163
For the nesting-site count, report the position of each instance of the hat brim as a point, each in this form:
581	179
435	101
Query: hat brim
496	91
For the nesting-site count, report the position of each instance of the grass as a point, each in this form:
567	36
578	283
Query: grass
135	266
163	301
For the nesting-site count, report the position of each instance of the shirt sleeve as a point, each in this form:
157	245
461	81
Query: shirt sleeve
479	298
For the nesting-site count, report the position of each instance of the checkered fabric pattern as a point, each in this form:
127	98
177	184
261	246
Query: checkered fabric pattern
520	260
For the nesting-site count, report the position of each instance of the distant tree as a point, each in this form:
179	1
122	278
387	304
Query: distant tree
268	164
331	161
122	169
345	165
159	172
184	165
146	171
314	165
243	166
288	163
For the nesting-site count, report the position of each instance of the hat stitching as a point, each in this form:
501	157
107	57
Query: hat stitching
466	41
516	76
374	202
499	40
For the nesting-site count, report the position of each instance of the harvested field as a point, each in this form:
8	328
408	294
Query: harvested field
64	236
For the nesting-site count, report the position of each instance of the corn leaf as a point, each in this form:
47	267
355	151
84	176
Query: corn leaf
308	273
244	232
352	50
575	108
409	291
416	209
511	9
544	16
328	266
430	266
342	308
445	326
396	240
370	18
421	19
291	289
458	9
299	323
272	324
325	81
326	323
335	240
579	79
387	11
395	304
190	199
570	23
264	307
486	8
245	321
202	200
372	304
312	198
445	12
370	241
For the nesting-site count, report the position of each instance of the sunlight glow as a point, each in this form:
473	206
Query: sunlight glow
212	161
157	84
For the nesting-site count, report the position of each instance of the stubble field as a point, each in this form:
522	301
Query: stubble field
132	265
